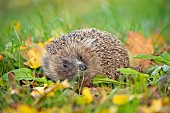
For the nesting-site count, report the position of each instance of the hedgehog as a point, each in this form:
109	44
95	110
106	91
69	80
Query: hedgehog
91	51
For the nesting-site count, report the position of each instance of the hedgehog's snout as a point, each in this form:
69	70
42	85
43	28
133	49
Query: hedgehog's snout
82	67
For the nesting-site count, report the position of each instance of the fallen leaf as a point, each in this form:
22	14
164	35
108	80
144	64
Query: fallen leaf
40	90
100	90
113	109
12	83
157	106
26	109
87	94
104	111
20	108
158	39
32	53
35	94
33	57
120	99
86	97
11	78
50	91
138	44
153	90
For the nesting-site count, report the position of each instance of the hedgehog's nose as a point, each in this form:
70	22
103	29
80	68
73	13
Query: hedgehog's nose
82	67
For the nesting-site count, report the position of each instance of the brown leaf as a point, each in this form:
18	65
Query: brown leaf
138	44
100	90
153	90
158	39
11	78
12	83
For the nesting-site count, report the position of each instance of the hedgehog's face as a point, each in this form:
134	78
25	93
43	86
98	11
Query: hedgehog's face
61	67
68	67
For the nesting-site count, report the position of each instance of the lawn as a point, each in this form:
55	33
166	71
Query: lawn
27	26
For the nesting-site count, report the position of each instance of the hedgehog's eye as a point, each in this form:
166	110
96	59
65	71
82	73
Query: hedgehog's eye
80	57
65	64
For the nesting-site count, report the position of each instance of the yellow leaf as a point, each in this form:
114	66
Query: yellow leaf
165	101
26	109
40	89
48	41
33	57
41	44
32	53
50	84
157	106
35	94
87	94
50	91
81	100
121	99
49	110
104	111
65	83
113	109
85	98
61	110
9	110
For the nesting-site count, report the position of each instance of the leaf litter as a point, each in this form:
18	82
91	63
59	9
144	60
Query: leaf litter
107	95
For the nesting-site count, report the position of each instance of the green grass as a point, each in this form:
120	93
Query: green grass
43	19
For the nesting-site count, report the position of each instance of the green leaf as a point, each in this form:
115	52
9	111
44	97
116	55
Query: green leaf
166	69
20	74
166	56
42	79
129	71
103	79
158	69
158	59
144	56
